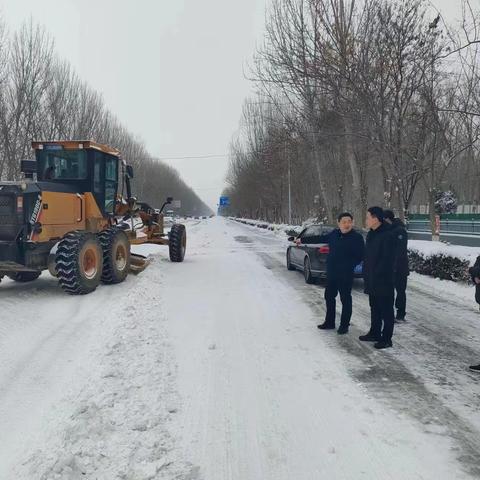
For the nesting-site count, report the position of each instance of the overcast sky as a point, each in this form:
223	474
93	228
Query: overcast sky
171	70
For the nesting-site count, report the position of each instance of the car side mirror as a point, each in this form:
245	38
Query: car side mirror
291	239
129	171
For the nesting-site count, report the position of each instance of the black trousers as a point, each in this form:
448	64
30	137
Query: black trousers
335	286
381	309
401	299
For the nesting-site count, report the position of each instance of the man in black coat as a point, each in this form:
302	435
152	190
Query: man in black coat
378	279
401	270
346	252
475	274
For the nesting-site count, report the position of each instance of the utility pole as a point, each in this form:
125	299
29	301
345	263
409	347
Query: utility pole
289	186
293	137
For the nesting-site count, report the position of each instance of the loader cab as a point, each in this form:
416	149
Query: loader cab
85	166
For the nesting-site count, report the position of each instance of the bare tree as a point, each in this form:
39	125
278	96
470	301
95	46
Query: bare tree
29	73
41	97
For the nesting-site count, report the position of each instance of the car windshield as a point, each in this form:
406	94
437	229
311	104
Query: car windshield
62	164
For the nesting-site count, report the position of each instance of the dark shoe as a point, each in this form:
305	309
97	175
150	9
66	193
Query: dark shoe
342	329
369	337
475	368
383	344
326	326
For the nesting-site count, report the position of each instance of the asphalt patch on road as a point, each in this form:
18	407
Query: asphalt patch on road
242	239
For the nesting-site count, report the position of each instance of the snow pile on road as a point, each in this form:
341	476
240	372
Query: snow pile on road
277	228
453	291
119	425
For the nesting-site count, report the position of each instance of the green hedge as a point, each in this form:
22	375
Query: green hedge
440	266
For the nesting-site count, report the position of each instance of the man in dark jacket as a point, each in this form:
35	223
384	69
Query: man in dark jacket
475	274
346	252
400	267
378	279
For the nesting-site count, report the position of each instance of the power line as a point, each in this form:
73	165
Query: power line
186	158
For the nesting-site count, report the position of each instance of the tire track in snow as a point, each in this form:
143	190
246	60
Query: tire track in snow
116	421
272	399
384	376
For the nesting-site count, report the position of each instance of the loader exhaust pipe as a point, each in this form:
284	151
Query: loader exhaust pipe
168	201
128	176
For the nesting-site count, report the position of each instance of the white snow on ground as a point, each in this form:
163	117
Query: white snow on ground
87	383
119	425
275	227
454	291
266	396
428	248
213	369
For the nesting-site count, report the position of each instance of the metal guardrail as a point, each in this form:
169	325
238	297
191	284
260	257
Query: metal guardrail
460	227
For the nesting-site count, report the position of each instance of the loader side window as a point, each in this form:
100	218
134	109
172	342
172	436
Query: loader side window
98	175
111	181
111	169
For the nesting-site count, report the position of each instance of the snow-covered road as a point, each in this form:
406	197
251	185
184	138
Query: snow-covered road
213	369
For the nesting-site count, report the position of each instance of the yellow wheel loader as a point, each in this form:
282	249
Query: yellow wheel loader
74	214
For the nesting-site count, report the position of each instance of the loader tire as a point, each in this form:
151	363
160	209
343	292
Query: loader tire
24	277
177	243
116	255
79	263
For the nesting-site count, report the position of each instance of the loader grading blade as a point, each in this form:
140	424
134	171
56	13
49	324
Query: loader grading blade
138	263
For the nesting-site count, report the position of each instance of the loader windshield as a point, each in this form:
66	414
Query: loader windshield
62	164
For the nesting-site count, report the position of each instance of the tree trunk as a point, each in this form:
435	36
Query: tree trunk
432	216
321	181
354	170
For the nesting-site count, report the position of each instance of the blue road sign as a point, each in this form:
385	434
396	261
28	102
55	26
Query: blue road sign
224	201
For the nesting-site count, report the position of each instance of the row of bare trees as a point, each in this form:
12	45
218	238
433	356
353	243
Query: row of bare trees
358	102
41	97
